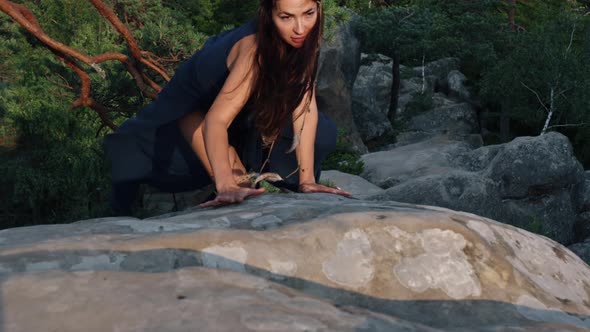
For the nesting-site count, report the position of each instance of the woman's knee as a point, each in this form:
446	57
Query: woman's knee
326	135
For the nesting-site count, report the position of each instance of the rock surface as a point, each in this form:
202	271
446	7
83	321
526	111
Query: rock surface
337	68
392	167
356	185
582	249
530	182
371	96
298	263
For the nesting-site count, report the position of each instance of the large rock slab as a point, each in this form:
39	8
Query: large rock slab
531	182
453	189
456	120
356	185
300	263
392	167
188	299
535	165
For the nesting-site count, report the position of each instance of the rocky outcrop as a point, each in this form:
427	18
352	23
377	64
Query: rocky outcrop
392	167
582	204
338	65
530	182
371	96
456	85
291	262
582	249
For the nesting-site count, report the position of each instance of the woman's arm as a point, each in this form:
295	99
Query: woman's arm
228	103
306	124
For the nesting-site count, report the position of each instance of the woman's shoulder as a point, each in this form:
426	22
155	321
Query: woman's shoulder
247	44
242	52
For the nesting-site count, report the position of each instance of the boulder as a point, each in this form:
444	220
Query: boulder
338	64
530	182
535	166
550	215
583	195
453	189
478	159
371	96
456	84
410	89
582	249
392	167
456	121
291	262
356	185
582	226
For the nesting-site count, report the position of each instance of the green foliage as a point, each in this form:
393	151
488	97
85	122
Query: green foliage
57	174
432	30
343	158
535	225
328	183
420	103
546	68
53	166
268	187
51	157
514	72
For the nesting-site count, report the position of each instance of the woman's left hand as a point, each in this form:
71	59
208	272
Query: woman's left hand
319	188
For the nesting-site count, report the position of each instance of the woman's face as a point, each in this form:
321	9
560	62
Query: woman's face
294	19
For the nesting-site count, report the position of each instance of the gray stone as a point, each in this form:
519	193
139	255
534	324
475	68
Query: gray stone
478	159
529	183
371	95
356	185
351	266
549	215
434	156
535	166
453	189
456	83
582	201
582	249
456	120
582	227
338	64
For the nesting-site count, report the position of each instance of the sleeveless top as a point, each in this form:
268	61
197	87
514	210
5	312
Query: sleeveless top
194	87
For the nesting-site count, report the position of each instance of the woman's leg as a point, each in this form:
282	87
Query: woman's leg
191	127
286	163
123	195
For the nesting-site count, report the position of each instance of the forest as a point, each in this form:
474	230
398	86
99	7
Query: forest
528	62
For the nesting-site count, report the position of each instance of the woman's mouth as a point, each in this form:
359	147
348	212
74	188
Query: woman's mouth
298	40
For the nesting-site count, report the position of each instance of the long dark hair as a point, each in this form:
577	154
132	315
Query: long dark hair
284	74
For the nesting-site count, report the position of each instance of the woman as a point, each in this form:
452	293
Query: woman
236	105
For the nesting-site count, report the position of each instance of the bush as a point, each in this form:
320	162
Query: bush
343	158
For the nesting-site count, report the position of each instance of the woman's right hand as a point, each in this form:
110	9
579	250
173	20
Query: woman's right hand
232	194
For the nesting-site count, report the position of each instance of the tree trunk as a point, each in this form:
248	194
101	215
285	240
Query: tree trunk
395	85
512	14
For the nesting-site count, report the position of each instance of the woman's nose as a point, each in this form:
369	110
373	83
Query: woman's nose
298	28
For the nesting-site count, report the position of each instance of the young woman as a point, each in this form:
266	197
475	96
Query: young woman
244	102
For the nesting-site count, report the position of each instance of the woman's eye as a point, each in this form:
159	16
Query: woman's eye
310	13
284	18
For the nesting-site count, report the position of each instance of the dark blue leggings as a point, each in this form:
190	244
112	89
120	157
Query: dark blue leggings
176	168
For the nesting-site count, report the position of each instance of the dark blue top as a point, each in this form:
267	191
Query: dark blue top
143	142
